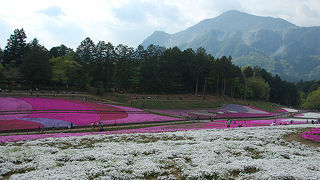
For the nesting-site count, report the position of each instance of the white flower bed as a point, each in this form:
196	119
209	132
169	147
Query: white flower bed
290	110
309	115
305	120
241	153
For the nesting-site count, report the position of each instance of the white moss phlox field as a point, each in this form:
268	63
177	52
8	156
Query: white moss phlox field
240	153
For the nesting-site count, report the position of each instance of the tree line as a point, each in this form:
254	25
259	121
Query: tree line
103	67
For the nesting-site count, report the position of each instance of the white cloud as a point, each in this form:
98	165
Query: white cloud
129	22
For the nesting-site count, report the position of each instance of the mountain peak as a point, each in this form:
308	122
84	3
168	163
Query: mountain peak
253	40
234	20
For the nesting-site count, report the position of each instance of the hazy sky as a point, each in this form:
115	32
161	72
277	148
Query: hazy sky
129	22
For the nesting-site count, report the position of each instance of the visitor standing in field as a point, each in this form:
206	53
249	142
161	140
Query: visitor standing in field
228	123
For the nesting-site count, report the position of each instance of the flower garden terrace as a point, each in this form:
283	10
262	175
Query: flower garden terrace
35	113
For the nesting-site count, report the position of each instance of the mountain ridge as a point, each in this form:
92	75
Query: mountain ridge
287	46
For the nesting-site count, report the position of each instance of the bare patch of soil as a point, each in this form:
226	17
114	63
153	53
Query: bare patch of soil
297	137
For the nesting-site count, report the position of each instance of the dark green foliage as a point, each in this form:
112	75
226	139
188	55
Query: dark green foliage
313	100
35	65
259	87
247	71
61	50
1	56
16	48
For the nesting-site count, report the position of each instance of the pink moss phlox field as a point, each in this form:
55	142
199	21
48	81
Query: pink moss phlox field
106	112
18	124
15	105
138	115
60	104
175	112
218	124
49	112
313	134
228	111
282	110
168	128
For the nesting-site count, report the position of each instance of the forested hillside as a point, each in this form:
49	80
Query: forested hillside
104	67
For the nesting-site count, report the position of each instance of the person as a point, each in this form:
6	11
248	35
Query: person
37	92
30	90
39	129
228	123
101	129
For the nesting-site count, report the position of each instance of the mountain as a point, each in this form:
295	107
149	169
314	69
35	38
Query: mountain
272	43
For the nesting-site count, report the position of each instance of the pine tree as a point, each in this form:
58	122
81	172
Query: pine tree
35	65
16	48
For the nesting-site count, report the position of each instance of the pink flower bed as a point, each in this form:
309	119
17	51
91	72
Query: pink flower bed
138	116
282	110
106	112
60	112
229	111
13	104
168	128
175	112
78	118
313	134
18	124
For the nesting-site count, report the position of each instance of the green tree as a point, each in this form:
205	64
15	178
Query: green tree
200	68
12	74
150	69
1	56
313	100
103	70
65	70
1	71
16	48
259	87
247	71
61	50
86	52
36	65
123	67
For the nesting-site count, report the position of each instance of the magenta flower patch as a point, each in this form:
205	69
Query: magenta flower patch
10	108
18	124
60	112
313	134
228	111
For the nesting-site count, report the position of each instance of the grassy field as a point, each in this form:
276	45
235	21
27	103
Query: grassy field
193	102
